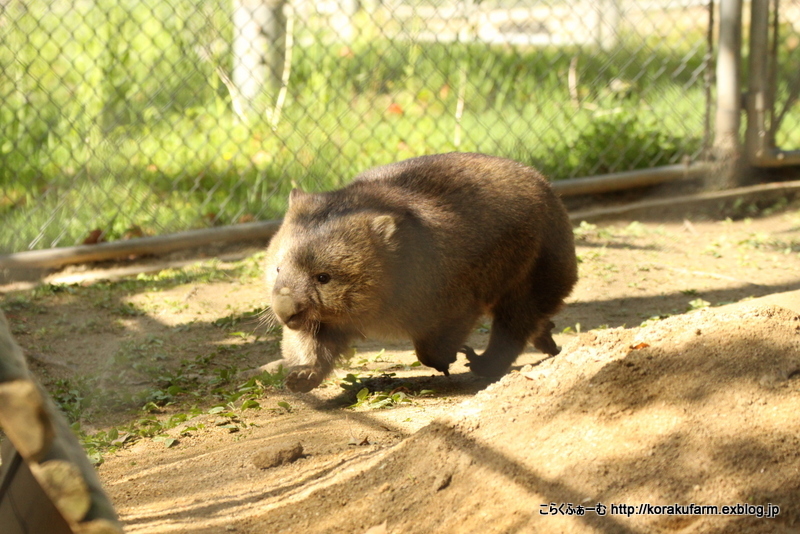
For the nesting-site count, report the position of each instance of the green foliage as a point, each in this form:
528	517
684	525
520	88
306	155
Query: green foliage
113	105
697	304
367	397
373	400
77	399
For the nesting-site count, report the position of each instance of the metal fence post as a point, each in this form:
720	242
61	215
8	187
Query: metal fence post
756	143
609	14
259	28
727	146
761	146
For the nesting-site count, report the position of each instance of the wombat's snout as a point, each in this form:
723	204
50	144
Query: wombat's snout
288	310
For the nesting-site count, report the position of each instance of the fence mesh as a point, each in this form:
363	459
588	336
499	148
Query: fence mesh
123	118
785	58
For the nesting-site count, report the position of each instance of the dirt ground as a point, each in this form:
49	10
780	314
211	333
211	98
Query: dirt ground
662	395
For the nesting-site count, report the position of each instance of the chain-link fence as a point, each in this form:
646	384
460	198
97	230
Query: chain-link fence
782	125
124	118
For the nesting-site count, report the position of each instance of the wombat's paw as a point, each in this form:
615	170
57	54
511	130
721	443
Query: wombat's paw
471	356
303	379
546	344
482	365
544	341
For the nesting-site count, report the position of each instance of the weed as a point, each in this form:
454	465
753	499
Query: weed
591	255
697	304
376	358
47	290
352	382
370	393
75	398
570	330
587	231
655	318
484	328
128	309
386	399
634	229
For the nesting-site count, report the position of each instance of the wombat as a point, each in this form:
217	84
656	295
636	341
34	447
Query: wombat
421	249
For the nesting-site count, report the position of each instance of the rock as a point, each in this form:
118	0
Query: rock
282	453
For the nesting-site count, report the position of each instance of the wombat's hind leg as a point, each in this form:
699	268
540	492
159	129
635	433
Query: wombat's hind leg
515	318
544	340
438	349
504	347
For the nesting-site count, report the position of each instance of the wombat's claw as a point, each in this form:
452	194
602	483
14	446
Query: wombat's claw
302	380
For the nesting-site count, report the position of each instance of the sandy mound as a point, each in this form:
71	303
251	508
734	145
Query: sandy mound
699	408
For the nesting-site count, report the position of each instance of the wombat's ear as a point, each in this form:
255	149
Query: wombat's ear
296	196
384	226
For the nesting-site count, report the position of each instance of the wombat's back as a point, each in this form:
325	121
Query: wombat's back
490	218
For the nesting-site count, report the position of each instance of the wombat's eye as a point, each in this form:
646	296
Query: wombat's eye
323	278
278	269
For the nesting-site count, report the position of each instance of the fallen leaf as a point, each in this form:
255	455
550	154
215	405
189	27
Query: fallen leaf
394	109
354	441
133	232
94	237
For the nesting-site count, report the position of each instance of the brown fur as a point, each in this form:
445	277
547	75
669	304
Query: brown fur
421	249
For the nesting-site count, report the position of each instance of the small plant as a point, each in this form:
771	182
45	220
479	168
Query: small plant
46	290
570	330
654	319
351	382
377	358
380	399
484	328
697	304
371	397
127	309
386	399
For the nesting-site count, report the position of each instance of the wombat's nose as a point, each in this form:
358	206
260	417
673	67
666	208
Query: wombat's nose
289	311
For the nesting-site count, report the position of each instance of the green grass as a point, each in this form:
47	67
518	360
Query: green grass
109	119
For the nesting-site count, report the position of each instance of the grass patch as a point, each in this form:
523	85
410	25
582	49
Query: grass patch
158	411
111	119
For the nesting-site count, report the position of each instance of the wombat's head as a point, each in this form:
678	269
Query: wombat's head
327	264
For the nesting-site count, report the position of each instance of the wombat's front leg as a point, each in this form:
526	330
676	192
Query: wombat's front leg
311	356
304	378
